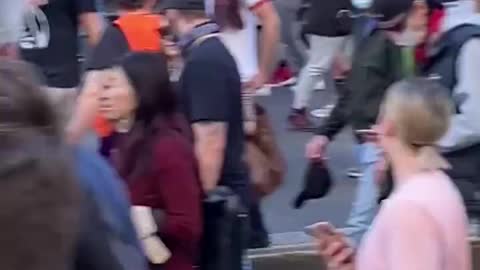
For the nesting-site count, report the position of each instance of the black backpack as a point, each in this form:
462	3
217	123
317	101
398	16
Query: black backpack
465	163
443	59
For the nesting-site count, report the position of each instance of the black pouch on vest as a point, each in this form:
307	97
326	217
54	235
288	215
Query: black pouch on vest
465	173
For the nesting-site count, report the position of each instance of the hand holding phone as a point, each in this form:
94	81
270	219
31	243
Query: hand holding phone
332	245
320	229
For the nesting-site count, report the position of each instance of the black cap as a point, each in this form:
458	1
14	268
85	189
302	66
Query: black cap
391	12
316	184
183	4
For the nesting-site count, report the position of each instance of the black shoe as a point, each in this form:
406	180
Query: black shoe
259	240
298	121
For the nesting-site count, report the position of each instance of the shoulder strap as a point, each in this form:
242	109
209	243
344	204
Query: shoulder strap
202	39
459	37
450	46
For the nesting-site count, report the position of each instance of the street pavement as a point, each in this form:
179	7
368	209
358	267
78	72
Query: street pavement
285	223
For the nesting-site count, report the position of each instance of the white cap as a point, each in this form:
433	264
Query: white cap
11	15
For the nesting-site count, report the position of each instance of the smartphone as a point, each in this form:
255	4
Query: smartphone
320	229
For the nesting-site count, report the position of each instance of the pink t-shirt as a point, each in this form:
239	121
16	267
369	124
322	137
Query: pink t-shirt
422	226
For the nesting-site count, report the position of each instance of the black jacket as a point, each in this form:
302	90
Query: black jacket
374	69
322	19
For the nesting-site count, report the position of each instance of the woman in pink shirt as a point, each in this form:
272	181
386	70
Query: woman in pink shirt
423	225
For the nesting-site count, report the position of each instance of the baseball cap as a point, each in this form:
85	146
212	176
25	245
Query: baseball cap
183	4
316	184
391	12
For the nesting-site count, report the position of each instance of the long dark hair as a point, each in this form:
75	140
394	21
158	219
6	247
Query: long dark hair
157	112
227	14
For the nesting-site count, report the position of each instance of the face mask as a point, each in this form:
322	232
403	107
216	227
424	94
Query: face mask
362	4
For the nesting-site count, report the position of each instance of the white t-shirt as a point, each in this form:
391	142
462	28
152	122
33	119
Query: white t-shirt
242	44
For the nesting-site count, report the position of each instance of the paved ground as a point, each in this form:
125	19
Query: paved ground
282	220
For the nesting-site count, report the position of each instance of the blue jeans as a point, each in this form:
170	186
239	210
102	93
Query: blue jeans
364	207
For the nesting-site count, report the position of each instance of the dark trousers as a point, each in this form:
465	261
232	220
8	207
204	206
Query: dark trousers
465	173
258	234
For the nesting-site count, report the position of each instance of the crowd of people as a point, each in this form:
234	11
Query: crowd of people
115	164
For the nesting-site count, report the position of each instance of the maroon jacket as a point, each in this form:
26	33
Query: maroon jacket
170	184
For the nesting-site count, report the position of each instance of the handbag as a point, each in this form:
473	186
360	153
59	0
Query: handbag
266	164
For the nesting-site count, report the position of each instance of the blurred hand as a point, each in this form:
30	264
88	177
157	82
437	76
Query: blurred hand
316	148
257	82
86	107
336	251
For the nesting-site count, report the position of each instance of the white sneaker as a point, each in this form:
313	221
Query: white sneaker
320	86
289	82
265	91
323	112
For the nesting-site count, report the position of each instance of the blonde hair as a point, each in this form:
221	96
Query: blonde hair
420	110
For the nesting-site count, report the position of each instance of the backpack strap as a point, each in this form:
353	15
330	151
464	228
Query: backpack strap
447	52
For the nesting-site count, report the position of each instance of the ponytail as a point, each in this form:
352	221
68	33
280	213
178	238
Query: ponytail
430	159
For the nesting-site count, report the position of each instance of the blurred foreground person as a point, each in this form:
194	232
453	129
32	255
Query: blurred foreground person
77	206
210	91
384	57
423	225
40	197
104	234
154	152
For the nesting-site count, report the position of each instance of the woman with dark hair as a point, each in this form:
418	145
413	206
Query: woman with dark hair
154	153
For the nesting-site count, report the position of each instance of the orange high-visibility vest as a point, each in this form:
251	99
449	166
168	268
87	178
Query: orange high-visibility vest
142	32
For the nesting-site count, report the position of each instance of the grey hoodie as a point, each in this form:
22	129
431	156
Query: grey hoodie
464	130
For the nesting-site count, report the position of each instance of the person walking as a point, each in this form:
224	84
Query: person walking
49	40
238	20
423	225
457	48
293	57
141	103
384	57
327	30
210	91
